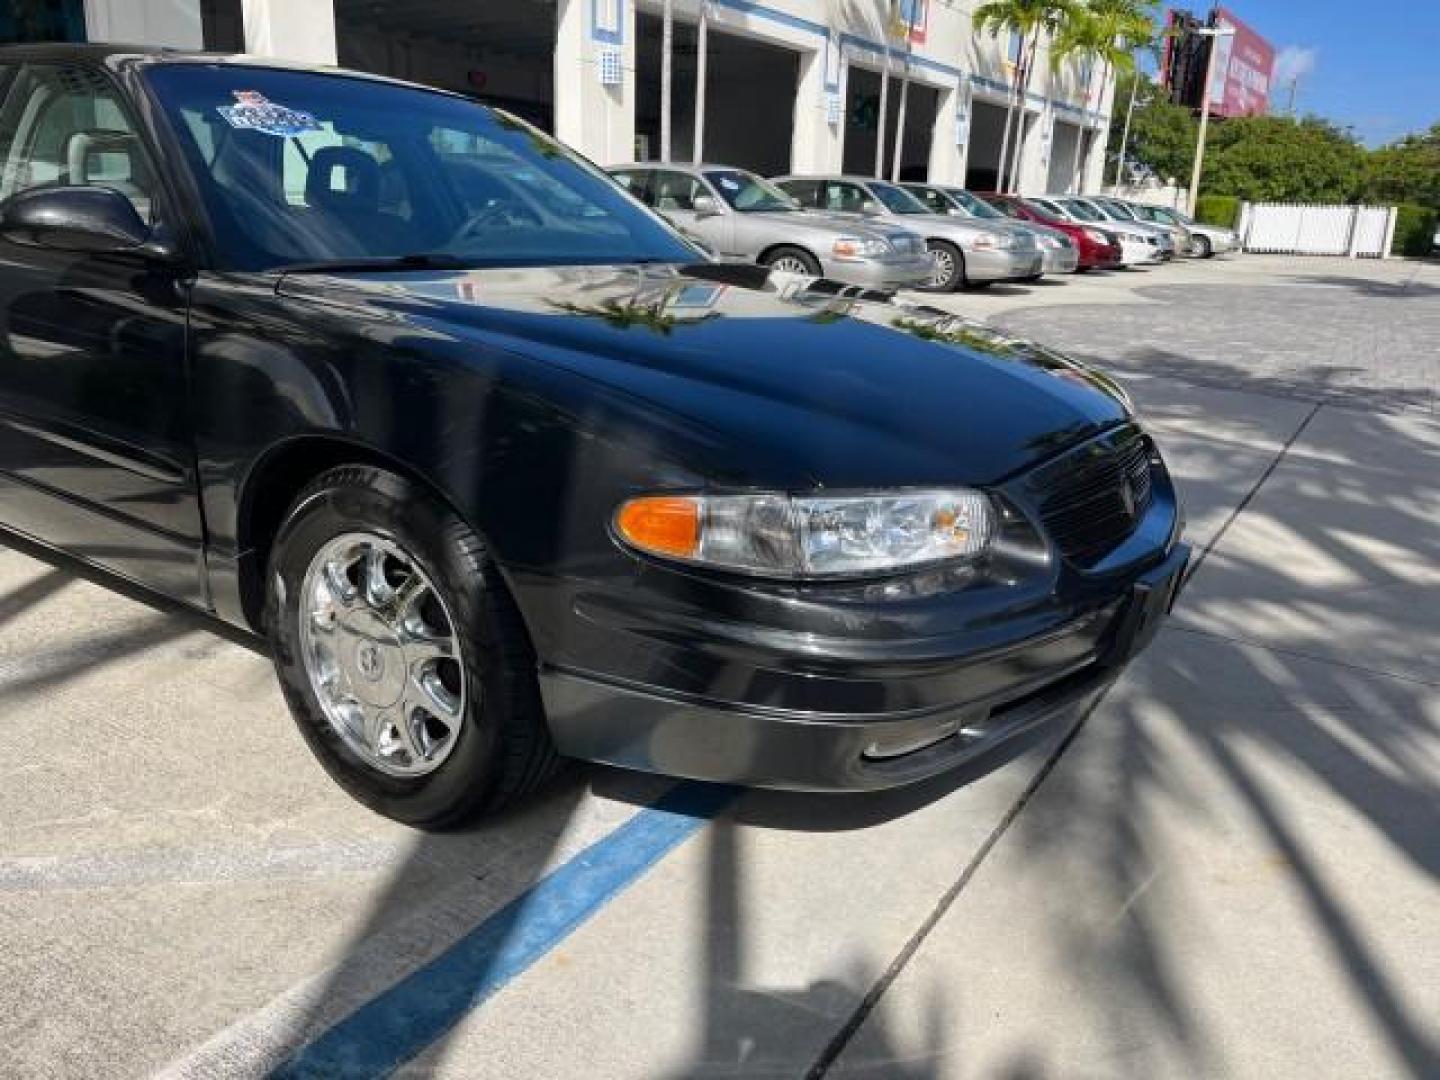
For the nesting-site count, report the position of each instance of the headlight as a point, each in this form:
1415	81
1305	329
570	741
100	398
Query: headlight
852	247
1095	236
991	241
1048	241
790	536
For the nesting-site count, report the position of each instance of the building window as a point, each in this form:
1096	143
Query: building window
1012	47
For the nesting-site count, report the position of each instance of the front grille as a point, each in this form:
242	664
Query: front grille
1097	504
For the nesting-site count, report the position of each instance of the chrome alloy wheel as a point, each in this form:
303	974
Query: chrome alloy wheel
790	264
382	653
942	267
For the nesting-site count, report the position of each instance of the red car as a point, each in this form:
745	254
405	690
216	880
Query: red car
1099	248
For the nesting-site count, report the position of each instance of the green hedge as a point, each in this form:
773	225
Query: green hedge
1219	210
1414	230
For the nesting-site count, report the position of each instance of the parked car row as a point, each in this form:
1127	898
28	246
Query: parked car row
873	233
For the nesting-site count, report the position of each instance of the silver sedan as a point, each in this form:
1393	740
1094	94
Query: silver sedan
1059	251
743	217
968	253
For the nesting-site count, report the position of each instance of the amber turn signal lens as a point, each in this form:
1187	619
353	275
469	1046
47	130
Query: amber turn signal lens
662	525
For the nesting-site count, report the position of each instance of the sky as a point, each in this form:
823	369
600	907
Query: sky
1372	65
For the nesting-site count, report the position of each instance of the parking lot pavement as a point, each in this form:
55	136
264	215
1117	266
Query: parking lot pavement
1230	869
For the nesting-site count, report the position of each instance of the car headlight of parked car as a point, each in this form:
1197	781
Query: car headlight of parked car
853	247
789	536
1095	236
988	241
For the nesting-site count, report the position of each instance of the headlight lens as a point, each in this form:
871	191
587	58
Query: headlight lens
1095	236
989	241
789	536
853	247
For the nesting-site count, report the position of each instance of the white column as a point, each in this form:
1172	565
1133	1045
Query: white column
145	22
302	30
593	115
1093	172
816	145
946	164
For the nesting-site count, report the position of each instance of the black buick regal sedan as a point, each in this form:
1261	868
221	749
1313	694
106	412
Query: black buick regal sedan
505	470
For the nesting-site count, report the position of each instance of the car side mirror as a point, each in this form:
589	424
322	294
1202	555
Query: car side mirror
95	220
706	206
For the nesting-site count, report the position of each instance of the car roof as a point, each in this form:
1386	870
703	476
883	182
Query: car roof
681	166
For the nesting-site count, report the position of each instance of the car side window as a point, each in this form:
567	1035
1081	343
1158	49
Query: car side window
674	190
844	197
634	181
66	126
933	199
805	192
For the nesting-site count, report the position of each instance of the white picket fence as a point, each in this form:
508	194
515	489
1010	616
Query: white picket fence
1363	232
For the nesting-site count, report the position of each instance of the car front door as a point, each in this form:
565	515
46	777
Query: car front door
674	194
96	456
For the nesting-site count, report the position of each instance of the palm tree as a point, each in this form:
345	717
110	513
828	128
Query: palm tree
1104	33
1029	19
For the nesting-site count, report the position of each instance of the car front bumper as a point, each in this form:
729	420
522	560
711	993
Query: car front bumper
1139	253
905	272
1009	691
845	685
1061	260
992	265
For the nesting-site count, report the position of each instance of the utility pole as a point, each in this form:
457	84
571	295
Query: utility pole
667	48
1212	33
1125	134
1294	85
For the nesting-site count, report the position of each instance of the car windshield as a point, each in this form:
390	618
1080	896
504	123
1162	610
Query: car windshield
897	200
299	167
747	192
1119	210
1083	211
977	206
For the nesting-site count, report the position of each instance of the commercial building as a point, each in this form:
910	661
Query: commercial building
788	85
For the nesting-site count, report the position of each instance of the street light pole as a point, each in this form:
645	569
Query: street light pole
1211	32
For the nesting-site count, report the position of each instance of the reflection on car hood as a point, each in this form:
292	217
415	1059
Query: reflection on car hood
847	392
827	224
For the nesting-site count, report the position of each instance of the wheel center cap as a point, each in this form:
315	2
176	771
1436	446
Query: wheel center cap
370	660
377	669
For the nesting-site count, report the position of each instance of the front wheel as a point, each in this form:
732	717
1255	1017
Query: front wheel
792	260
1202	247
401	654
947	266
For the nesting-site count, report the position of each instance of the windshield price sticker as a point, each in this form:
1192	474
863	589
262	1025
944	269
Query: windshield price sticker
253	111
729	184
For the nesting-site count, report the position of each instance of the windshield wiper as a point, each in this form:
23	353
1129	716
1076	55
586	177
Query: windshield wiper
379	264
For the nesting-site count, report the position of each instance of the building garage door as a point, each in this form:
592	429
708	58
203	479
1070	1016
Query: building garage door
862	100
750	89
502	53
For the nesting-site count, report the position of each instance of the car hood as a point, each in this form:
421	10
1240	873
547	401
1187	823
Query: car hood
808	387
820	223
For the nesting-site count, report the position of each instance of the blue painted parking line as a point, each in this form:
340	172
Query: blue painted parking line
412	1014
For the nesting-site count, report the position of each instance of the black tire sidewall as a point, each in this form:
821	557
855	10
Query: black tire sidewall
812	265
957	277
392	508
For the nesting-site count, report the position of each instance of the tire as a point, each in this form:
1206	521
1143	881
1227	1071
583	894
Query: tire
792	259
949	272
496	745
1032	278
1203	248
